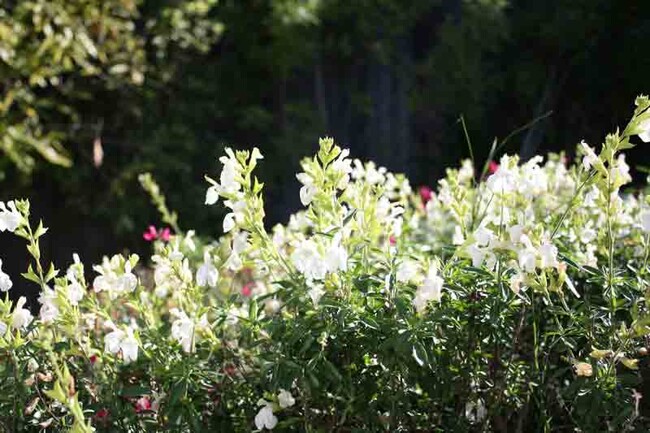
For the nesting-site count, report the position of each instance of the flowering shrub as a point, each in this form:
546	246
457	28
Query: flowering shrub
510	299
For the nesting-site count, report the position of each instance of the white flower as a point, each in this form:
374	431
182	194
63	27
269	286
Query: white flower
212	195
527	259
285	399
3	328
336	258
112	341
182	329
645	130
308	261
49	309
75	290
272	306
265	418
119	340
515	282
229	222
477	254
407	271
129	347
315	293
113	278
458	238
483	236
430	290
645	221
590	158
10	218
207	274
307	193
21	317
515	232
5	281
548	255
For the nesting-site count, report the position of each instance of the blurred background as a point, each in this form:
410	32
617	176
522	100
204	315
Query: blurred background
94	92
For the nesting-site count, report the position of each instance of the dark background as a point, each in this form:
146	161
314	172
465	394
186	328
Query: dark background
387	79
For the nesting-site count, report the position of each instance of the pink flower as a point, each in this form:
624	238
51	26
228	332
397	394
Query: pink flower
150	234
392	240
142	404
493	167
247	290
426	194
165	234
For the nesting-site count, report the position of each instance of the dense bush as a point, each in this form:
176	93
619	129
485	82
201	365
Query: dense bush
513	298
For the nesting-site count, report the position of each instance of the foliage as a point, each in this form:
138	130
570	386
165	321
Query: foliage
56	54
513	298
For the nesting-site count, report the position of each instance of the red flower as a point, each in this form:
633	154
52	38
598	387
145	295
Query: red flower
426	194
142	404
93	359
493	167
392	240
247	290
102	414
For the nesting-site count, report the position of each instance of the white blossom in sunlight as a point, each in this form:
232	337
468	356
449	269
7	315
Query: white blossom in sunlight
118	340
308	260
548	255
113	278
21	317
207	274
430	290
308	189
590	158
336	256
10	218
184	329
3	328
407	271
5	281
49	309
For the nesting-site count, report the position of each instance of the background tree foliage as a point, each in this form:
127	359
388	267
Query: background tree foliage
118	87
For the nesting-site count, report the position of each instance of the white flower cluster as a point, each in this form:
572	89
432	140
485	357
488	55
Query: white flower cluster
115	276
315	260
265	418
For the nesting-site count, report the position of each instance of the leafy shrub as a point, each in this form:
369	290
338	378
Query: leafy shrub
512	298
